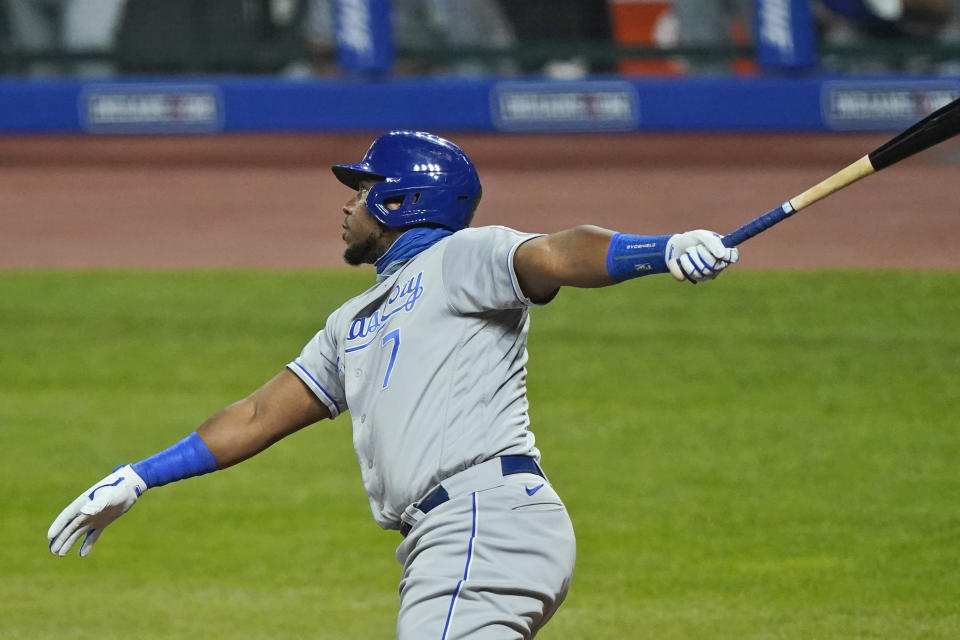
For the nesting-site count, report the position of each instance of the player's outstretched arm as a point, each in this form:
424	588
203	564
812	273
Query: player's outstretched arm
589	256
280	407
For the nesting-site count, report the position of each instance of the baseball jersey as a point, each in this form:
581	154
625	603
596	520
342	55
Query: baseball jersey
430	362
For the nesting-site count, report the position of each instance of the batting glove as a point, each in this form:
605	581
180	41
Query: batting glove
94	509
698	255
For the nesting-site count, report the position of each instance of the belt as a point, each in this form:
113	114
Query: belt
509	465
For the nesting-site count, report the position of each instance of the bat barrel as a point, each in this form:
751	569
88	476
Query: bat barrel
942	124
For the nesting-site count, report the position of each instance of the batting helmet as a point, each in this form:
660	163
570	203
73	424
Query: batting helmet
431	178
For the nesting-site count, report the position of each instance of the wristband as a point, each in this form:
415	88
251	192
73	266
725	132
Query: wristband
189	457
631	256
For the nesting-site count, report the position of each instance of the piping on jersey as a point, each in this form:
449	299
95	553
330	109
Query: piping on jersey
513	274
319	386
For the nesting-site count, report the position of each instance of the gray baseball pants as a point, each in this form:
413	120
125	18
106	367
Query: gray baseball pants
493	562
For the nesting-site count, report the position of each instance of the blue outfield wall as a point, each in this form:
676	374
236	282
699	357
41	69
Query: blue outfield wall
129	105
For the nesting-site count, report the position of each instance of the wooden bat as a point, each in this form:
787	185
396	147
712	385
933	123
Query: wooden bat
940	125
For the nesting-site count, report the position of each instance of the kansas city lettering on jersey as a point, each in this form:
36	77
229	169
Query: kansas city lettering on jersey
403	298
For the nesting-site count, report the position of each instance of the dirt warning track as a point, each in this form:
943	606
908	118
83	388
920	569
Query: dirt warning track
271	201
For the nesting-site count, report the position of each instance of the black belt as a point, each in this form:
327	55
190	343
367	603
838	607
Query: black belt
509	465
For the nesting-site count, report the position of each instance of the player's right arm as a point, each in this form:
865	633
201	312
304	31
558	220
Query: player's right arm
280	407
589	256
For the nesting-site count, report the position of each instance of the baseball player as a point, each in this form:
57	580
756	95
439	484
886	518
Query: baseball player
430	362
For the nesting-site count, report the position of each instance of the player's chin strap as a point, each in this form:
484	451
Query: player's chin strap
407	246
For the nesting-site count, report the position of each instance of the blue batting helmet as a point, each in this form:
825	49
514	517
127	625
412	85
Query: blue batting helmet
431	178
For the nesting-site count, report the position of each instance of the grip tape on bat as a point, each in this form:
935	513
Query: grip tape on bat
759	224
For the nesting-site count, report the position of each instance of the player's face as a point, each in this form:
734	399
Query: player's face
361	231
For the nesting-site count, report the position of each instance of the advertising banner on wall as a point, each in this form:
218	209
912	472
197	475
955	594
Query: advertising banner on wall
151	108
564	106
883	106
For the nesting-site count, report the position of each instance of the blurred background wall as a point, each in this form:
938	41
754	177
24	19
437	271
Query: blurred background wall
559	38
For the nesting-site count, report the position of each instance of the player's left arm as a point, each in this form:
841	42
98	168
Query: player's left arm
280	407
589	256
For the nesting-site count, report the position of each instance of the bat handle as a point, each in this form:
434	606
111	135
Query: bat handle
757	225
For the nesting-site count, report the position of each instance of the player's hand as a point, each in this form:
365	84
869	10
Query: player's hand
94	509
698	255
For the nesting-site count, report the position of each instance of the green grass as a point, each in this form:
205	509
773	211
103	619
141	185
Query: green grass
774	455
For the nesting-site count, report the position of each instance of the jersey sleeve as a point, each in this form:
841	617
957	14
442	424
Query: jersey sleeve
478	271
318	368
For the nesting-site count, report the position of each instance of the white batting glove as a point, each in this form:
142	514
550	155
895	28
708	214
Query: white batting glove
698	255
94	509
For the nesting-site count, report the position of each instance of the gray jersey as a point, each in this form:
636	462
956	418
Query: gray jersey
431	364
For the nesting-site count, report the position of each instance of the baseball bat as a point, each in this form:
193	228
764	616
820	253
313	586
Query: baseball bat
940	125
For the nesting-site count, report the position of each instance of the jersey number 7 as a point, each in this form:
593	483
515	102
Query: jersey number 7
395	337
